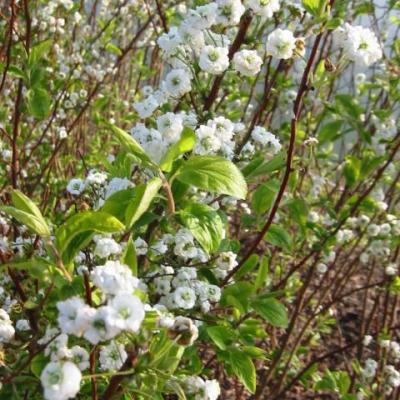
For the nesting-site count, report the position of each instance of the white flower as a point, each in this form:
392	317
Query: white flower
58	348
170	41
76	186
369	369
367	340
73	316
359	44
7	331
102	325
212	390
202	17
129	312
191	38
177	83
392	376
247	62
193	384
263	8
214	60
262	136
162	285
185	327
229	12
207	141
184	244
80	357
322	268
185	297
391	269
146	107
106	246
116	184
202	390
373	230
170	125
224	128
281	44
113	278
141	246
22	325
210	292
96	177
385	229
61	380
112	356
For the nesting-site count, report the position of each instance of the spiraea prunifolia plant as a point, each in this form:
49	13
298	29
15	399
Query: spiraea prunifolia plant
199	200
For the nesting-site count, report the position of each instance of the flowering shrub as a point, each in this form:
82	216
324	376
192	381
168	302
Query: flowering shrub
199	200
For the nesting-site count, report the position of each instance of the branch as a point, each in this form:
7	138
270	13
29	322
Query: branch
244	25
296	115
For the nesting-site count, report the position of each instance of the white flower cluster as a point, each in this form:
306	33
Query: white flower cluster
390	373
194	41
263	8
7	330
359	44
369	369
169	128
216	137
266	139
123	312
183	289
201	389
97	181
106	246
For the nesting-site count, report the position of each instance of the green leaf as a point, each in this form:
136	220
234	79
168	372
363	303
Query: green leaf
87	221
330	131
38	267
298	210
24	203
249	265
112	48
129	257
352	169
278	236
237	295
132	146
272	311
183	145
262	273
334	23
144	194
314	7
17	72
38	363
335	381
270	166
205	224
348	105
39	102
243	367
264	196
38	51
221	335
78	242
27	206
118	202
34	223
214	174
